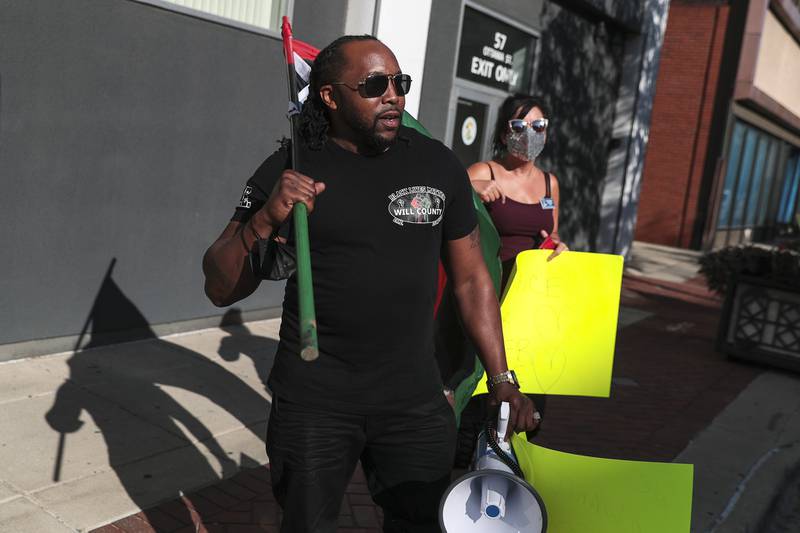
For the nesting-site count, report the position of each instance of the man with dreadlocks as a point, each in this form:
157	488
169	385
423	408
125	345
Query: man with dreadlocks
386	202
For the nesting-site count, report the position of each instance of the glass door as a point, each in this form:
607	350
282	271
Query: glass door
473	115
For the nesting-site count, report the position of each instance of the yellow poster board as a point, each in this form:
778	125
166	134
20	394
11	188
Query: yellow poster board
583	493
560	322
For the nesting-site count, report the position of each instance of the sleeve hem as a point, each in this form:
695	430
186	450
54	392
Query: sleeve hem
460	233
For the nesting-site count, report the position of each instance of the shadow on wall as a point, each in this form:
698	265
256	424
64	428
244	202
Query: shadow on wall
128	379
655	26
578	77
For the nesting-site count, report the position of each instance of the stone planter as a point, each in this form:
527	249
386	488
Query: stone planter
761	322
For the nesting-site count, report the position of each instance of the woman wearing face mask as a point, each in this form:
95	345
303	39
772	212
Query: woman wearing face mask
523	203
522	199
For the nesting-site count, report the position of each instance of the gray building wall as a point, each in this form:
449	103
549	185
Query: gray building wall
126	131
440	58
319	23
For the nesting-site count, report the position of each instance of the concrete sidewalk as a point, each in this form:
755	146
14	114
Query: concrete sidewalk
91	437
175	426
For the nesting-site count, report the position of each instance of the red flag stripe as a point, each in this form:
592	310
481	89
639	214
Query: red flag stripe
305	50
286	33
441	283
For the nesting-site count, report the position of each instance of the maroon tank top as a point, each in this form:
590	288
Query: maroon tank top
519	223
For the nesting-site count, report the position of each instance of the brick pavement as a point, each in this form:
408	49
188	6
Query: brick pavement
243	504
671	383
674	385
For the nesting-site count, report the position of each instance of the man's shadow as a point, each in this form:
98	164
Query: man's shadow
241	341
131	377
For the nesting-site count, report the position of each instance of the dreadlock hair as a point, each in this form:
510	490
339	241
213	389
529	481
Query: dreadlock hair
327	67
515	106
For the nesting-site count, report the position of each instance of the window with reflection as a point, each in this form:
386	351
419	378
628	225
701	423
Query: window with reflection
265	14
760	188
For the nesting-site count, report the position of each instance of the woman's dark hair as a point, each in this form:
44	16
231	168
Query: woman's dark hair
327	67
515	106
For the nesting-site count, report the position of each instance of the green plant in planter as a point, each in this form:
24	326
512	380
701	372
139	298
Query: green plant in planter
780	266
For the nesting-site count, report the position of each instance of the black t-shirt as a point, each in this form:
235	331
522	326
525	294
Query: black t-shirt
376	235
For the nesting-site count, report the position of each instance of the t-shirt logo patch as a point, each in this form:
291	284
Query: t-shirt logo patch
245	201
417	205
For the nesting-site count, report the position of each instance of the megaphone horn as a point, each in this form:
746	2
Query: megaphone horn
494	497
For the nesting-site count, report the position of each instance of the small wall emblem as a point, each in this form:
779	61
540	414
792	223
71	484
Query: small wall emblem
469	131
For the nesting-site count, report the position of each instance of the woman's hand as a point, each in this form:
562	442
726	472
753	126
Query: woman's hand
559	246
489	191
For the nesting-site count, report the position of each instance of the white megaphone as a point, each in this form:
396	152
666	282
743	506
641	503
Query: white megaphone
494	497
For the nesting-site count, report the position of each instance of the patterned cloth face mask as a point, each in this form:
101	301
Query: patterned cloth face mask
526	139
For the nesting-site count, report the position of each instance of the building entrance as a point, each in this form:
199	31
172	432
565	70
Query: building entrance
496	58
474	115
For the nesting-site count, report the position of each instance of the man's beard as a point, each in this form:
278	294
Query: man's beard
367	132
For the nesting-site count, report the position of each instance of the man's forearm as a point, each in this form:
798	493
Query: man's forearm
226	265
480	313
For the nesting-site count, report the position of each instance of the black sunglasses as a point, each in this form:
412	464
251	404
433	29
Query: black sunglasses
518	125
376	85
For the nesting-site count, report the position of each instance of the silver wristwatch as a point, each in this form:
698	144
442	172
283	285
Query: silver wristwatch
506	377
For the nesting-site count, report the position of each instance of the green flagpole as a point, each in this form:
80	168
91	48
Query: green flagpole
309	347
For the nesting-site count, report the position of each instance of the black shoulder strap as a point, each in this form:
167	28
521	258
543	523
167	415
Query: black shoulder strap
491	170
547	184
